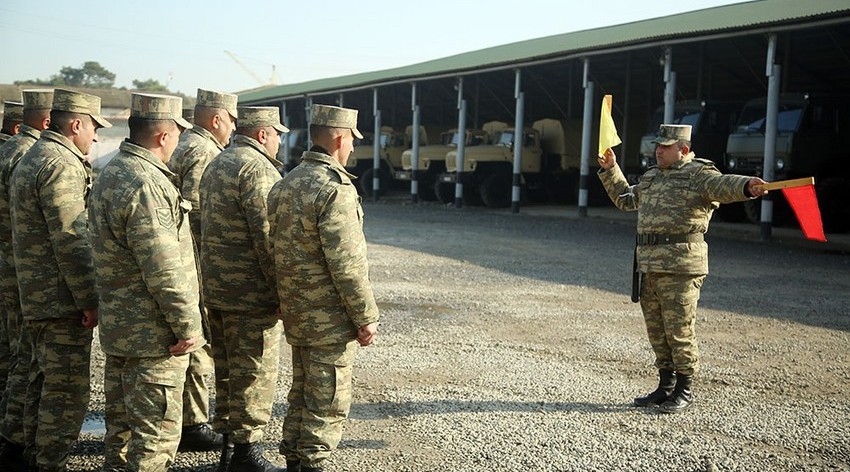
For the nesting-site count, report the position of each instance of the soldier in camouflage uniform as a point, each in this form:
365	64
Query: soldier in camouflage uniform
674	201
239	283
148	285
13	115
326	299
56	281
215	116
36	118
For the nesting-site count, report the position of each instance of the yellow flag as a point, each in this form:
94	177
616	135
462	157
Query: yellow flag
607	130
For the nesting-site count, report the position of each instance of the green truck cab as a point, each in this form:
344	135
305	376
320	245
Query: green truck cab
392	145
812	138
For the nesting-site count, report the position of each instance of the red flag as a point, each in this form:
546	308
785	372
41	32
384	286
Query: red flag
805	205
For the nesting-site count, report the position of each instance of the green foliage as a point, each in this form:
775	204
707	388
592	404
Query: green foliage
91	74
150	85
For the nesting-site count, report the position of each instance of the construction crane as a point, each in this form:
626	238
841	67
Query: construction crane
272	80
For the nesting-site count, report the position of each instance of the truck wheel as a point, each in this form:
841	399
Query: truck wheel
782	213
495	190
445	192
365	182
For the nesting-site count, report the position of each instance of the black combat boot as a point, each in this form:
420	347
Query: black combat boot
249	458
666	384
293	466
682	397
12	457
200	437
226	453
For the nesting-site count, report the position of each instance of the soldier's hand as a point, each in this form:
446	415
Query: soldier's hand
90	318
367	333
754	187
182	346
607	159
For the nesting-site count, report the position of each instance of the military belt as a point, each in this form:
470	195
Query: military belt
652	239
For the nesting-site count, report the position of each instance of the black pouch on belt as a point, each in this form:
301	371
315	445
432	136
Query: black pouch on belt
635	279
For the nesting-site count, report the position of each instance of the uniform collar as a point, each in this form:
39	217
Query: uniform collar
131	148
242	140
204	133
315	154
30	131
684	161
63	141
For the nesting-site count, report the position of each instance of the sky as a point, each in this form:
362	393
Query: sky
185	44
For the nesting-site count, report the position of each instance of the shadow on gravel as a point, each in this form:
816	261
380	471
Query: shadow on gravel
363	444
387	410
747	277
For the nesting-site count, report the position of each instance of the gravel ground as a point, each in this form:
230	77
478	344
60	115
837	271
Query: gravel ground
508	342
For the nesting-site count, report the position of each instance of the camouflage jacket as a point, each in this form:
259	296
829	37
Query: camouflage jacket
236	263
4	137
197	147
678	200
47	201
320	253
144	257
10	154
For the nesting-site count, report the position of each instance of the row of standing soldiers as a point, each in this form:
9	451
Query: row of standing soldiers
187	251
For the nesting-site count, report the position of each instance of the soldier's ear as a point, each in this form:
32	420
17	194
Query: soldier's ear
45	123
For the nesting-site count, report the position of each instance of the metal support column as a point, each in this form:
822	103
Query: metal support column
669	86
461	143
376	147
308	112
286	149
585	140
518	142
414	160
770	127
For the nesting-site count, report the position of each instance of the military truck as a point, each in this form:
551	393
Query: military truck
711	123
432	158
551	161
392	145
813	134
297	138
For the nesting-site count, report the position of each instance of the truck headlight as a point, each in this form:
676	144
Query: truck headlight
780	164
731	163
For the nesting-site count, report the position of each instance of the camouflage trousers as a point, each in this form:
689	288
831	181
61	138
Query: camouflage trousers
58	390
247	353
14	395
196	394
669	304
144	411
5	354
319	401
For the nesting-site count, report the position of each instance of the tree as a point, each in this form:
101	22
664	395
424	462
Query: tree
150	85
91	74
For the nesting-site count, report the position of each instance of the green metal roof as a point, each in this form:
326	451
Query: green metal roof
697	24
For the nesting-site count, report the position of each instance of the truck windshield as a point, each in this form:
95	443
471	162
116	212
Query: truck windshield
753	117
506	138
451	138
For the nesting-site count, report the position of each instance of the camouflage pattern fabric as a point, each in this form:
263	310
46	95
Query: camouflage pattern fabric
143	412
236	262
319	402
48	207
4	137
669	305
677	200
17	427
15	382
320	254
325	296
246	359
144	257
62	350
197	147
239	288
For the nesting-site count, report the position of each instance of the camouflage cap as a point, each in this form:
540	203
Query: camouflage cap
38	99
189	115
14	111
208	98
669	134
78	102
335	117
158	107
250	117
